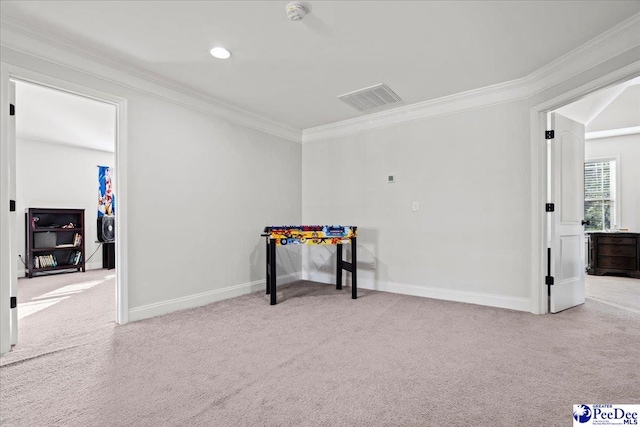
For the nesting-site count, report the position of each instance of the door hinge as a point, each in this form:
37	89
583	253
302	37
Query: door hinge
12	205
549	134
14	302
550	207
12	110
548	280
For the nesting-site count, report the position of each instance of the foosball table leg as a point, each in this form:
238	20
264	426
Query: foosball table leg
267	276
272	258
339	266
354	272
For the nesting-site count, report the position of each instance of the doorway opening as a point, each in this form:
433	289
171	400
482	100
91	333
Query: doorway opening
611	184
65	150
587	104
64	144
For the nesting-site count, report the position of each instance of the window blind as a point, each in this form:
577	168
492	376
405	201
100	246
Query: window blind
599	194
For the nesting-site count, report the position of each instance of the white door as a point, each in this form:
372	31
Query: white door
567	231
11	128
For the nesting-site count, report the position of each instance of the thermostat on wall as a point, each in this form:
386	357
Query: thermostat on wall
391	179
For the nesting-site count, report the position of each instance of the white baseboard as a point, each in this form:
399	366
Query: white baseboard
491	300
93	265
204	298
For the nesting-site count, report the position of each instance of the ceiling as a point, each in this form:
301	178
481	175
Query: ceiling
49	115
292	72
616	107
623	112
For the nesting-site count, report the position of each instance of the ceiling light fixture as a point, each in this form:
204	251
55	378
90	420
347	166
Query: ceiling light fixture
220	53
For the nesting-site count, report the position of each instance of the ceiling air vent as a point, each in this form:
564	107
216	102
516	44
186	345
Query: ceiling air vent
371	98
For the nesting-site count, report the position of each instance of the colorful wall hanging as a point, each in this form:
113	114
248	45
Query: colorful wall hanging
106	192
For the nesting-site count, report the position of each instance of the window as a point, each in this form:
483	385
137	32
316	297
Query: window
600	195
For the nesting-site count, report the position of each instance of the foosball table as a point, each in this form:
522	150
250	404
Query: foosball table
312	235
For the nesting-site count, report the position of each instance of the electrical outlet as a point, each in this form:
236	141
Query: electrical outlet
372	265
415	206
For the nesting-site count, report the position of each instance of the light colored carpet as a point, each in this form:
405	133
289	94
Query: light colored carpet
621	292
59	310
319	358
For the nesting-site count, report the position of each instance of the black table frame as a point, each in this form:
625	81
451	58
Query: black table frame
340	265
109	255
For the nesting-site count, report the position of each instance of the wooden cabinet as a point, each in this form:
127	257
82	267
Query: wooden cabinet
54	240
614	253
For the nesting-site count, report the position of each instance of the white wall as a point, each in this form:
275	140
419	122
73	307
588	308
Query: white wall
627	147
470	174
201	189
469	170
201	192
59	176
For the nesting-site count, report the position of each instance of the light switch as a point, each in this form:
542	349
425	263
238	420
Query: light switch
415	206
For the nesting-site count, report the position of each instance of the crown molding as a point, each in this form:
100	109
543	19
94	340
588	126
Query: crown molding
476	98
34	42
612	132
67	144
40	44
607	45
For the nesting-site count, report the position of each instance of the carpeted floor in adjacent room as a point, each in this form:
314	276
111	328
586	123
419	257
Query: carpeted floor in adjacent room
319	358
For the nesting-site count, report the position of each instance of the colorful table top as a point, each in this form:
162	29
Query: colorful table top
311	234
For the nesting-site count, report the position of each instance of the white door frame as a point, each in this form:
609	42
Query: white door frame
539	171
10	72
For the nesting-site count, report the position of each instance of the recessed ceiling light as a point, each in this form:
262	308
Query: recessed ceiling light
220	53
